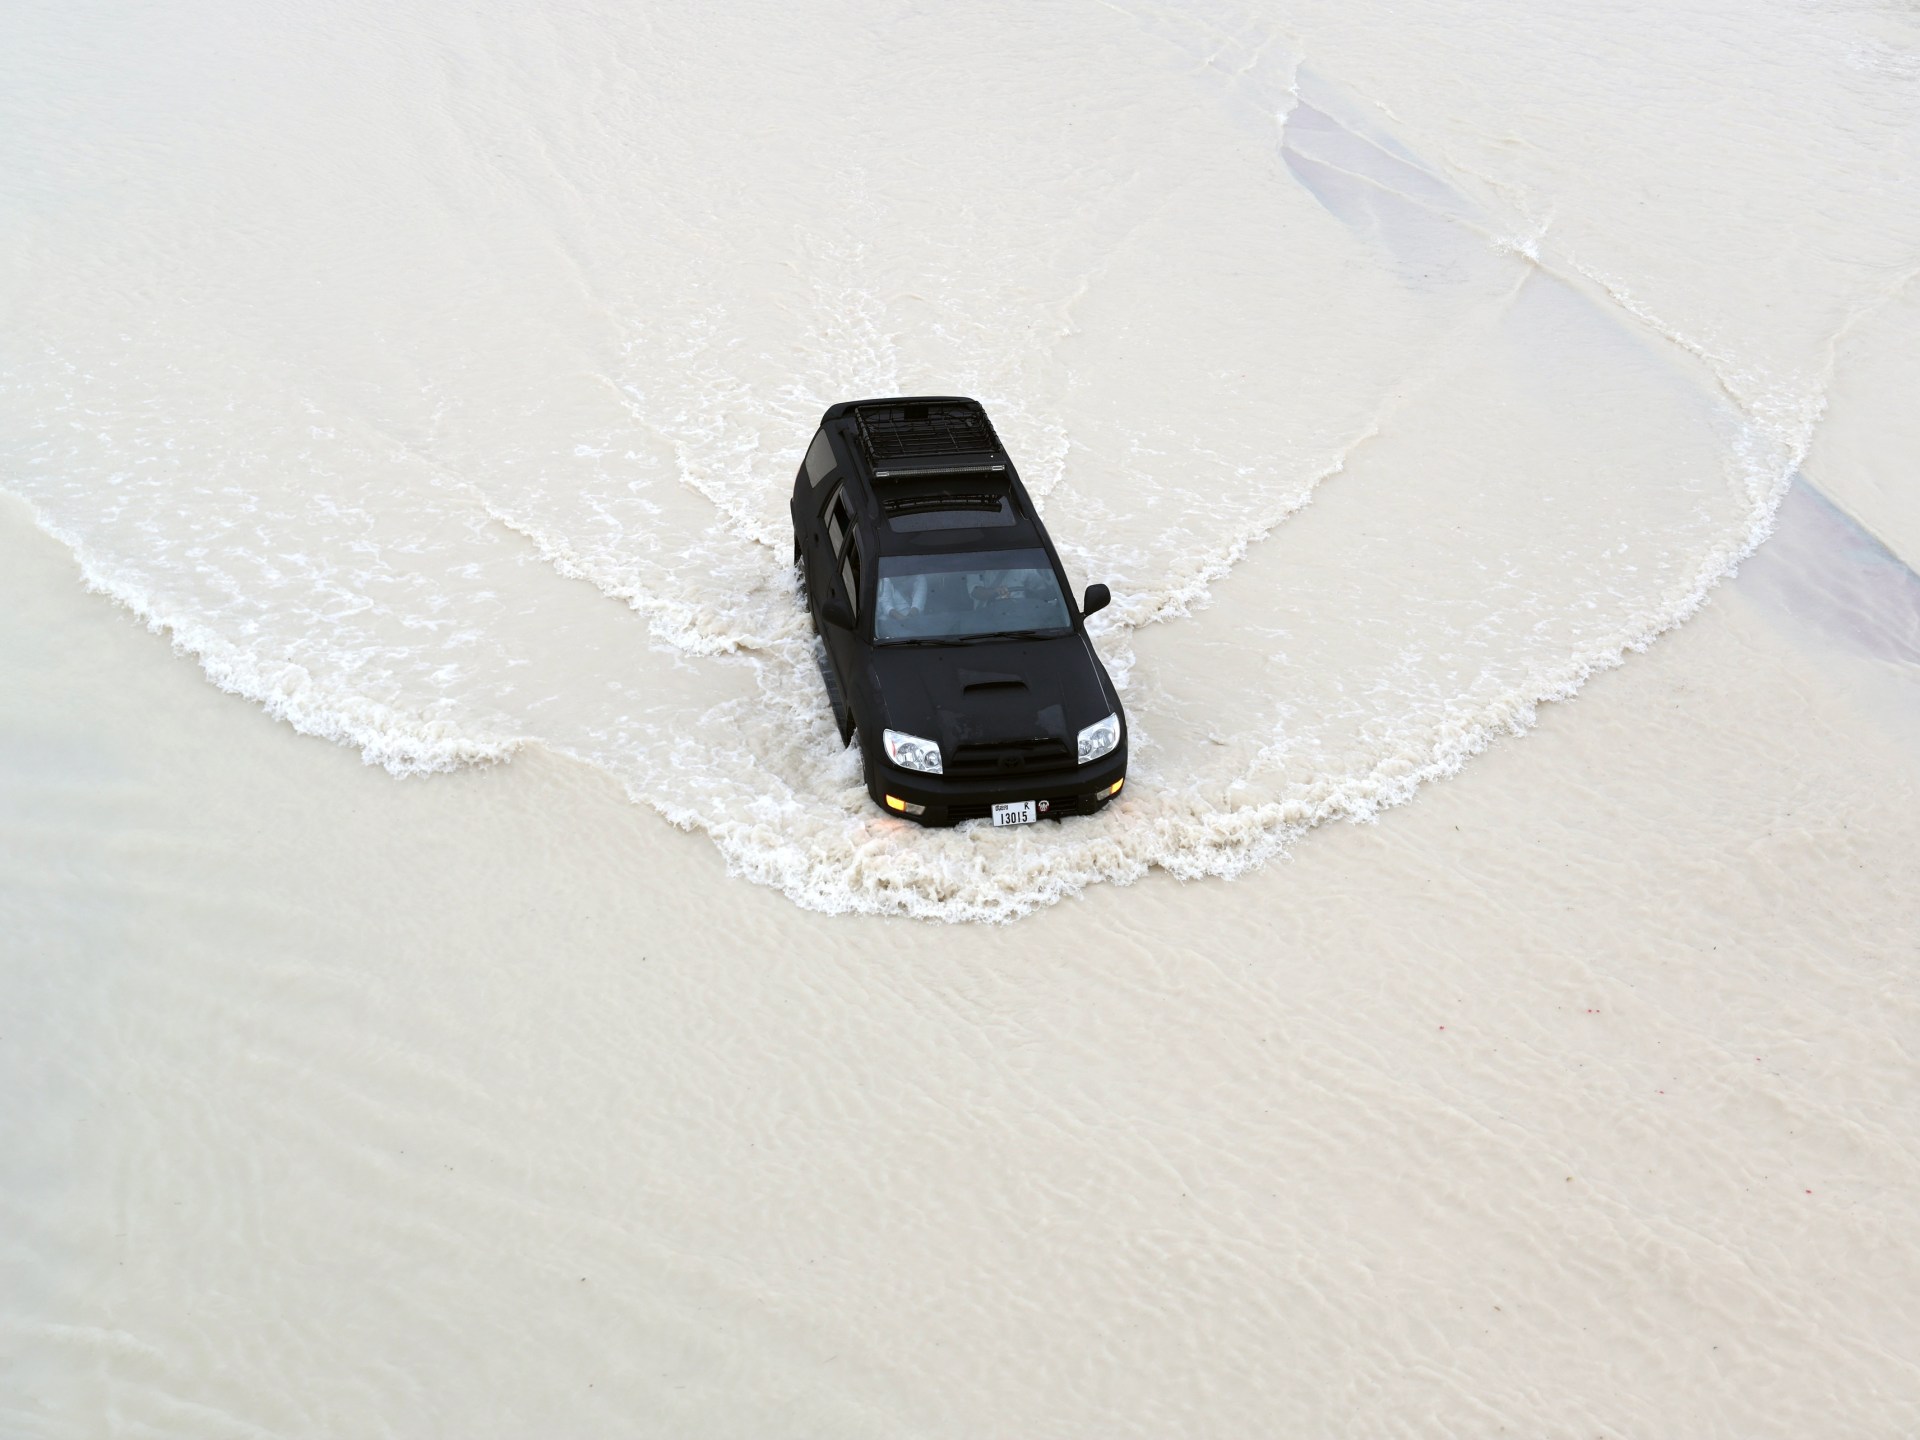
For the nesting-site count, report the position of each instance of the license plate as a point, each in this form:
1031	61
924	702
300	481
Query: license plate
1020	812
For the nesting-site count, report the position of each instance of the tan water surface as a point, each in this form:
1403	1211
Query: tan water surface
433	377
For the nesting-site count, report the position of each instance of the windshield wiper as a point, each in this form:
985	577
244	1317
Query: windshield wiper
1015	634
975	639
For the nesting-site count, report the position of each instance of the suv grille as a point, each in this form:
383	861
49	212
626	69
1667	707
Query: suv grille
1012	758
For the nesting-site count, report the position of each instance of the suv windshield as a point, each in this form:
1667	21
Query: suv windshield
950	597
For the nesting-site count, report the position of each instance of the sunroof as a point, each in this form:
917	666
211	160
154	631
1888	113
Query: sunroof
938	508
974	517
944	500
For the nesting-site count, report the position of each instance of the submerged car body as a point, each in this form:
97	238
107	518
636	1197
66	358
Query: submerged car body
953	650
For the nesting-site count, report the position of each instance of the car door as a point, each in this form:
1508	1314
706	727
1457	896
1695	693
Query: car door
843	643
833	523
831	555
815	488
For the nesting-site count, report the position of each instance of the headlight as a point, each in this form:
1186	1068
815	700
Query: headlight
1098	740
910	752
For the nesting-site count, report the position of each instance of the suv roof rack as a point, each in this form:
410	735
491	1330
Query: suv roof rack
900	436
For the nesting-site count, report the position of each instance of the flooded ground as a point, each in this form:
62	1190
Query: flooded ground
596	1058
438	382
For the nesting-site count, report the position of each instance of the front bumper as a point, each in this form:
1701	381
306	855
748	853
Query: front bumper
949	800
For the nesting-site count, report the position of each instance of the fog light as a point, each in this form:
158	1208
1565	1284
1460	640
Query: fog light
905	807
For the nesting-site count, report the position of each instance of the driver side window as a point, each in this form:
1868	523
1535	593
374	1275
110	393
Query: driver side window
850	574
844	543
839	522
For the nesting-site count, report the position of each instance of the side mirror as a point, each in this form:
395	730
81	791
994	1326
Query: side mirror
1098	598
837	612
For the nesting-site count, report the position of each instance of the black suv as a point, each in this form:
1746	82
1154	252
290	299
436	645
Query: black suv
952	649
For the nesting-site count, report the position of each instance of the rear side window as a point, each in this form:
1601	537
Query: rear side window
819	459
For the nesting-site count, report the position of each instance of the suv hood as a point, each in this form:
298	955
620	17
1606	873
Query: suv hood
992	692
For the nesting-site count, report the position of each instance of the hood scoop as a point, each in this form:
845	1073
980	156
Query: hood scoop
972	682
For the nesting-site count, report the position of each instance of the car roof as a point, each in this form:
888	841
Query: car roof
911	452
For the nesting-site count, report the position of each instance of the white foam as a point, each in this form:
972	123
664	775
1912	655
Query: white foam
399	742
